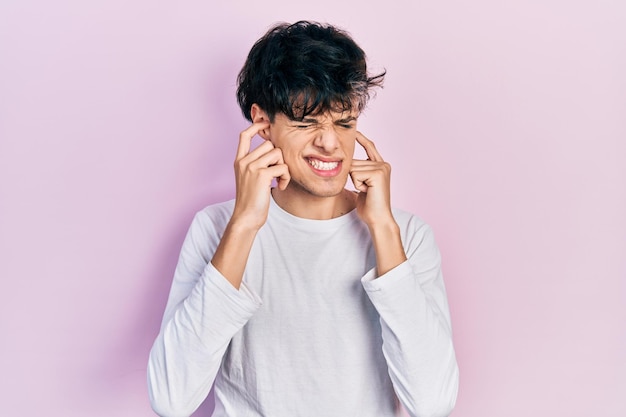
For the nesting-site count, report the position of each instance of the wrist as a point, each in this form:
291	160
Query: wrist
243	227
383	225
246	222
385	231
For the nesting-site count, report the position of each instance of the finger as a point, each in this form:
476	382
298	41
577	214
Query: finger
359	163
359	185
361	180
245	137
267	159
370	148
369	166
281	173
258	152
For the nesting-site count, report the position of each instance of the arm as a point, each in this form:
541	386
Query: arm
254	172
408	292
415	321
372	179
208	304
204	311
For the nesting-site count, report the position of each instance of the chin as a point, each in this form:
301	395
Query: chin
318	190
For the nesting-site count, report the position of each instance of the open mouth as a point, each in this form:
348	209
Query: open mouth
323	165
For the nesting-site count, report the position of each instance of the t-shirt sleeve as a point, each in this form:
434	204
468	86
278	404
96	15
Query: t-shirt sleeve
415	321
204	311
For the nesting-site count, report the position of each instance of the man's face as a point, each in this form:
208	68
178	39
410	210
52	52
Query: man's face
318	150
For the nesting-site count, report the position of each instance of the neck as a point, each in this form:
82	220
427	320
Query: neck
308	206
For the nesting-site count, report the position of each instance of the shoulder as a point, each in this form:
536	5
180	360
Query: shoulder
416	233
409	221
216	213
203	236
212	219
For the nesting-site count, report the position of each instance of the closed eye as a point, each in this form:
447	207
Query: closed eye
347	122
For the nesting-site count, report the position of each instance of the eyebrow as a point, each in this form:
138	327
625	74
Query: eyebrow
345	120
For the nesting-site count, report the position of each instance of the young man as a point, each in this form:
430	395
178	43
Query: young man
306	299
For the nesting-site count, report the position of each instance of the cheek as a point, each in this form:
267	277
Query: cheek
349	143
290	149
294	143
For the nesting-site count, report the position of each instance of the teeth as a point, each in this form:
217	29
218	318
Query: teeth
323	166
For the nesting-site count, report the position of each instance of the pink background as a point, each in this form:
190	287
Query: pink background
505	123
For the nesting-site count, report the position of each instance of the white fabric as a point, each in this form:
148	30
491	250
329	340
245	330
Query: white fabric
312	331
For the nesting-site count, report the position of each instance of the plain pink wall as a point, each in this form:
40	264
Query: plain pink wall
505	123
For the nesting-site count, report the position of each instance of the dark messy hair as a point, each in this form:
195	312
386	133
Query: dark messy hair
305	68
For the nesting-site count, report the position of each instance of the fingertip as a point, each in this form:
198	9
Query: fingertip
282	184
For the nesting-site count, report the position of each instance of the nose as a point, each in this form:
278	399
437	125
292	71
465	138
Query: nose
327	139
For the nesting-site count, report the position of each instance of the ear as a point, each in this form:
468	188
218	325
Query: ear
258	115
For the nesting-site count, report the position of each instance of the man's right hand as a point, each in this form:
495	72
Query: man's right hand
254	172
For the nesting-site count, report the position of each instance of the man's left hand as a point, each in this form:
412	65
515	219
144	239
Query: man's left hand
372	179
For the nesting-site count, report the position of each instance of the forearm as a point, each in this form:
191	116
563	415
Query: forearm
188	351
388	245
232	253
417	344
